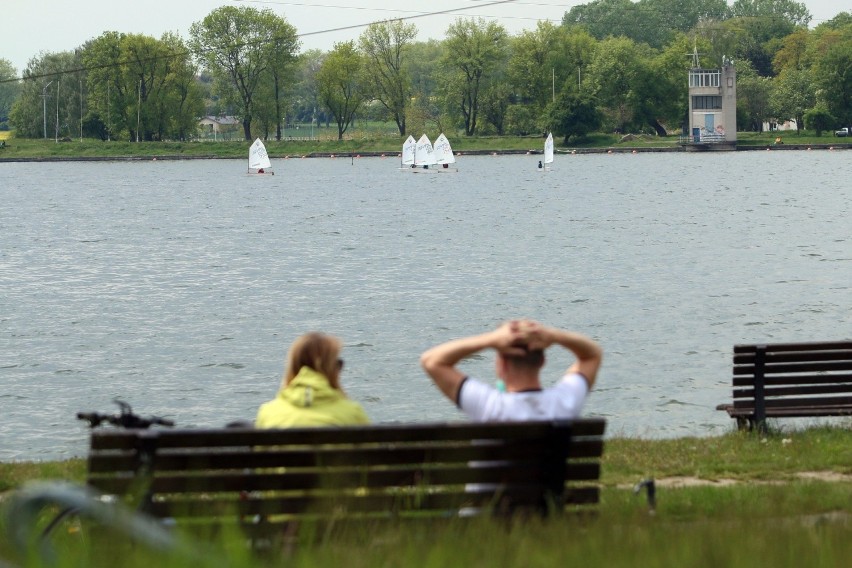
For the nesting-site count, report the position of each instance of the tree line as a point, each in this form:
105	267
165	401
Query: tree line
611	65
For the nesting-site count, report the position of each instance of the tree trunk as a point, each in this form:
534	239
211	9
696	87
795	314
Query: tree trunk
247	128
655	124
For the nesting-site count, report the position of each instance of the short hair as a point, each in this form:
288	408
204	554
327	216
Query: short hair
532	358
317	351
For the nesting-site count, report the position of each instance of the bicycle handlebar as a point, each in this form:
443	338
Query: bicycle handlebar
126	419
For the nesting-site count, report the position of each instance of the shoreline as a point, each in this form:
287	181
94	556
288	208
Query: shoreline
379	154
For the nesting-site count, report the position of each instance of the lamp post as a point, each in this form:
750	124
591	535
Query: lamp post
44	107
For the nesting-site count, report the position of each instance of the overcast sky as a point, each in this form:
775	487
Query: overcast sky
29	27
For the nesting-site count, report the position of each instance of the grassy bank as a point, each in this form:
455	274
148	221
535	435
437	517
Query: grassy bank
364	144
735	500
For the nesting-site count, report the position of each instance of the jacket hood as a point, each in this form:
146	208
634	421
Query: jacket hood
309	388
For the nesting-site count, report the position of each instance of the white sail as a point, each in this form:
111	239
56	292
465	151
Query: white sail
548	149
443	151
408	151
258	158
424	155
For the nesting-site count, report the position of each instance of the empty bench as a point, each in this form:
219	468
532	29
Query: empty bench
786	380
262	479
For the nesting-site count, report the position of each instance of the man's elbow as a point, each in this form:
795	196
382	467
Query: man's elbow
427	362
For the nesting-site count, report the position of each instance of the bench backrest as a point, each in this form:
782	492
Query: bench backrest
377	470
792	376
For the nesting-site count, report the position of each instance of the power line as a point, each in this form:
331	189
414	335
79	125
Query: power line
329	30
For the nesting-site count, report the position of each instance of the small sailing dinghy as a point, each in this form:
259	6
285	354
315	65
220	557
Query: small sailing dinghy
444	154
548	154
258	160
408	153
424	155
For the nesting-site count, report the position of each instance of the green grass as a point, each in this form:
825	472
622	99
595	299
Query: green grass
771	516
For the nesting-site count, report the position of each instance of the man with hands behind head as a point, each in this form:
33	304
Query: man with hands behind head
520	346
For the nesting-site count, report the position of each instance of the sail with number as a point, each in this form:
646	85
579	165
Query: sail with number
424	155
258	160
408	151
548	149
443	151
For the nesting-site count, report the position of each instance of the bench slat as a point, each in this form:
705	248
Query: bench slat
117	439
798	390
834	402
111	462
338	479
802	346
772	357
795	380
792	412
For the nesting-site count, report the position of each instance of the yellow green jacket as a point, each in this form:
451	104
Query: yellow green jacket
310	401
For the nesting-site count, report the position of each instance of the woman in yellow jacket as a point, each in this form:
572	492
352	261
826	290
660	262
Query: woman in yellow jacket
311	394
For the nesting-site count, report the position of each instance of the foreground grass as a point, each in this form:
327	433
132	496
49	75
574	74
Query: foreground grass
771	517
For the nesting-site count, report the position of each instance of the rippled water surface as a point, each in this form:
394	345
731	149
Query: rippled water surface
178	286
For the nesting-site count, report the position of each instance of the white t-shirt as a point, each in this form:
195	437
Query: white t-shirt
562	401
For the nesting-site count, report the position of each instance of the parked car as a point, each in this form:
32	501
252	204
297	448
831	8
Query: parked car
842	132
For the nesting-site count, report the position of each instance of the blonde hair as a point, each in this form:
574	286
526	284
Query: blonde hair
319	352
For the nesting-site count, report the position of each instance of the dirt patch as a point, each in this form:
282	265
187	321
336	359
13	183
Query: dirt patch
689	481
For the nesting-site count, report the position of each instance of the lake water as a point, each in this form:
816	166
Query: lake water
177	286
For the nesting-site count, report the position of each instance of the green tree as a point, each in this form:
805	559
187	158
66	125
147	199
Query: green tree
793	95
531	66
9	89
473	51
141	88
618	76
49	101
819	119
833	75
753	96
387	80
109	96
763	24
339	80
237	44
574	114
423	64
306	101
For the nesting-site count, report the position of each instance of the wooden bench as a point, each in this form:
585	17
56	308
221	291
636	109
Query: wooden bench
263	479
786	380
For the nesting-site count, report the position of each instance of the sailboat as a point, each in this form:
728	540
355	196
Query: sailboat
258	159
424	155
444	153
548	154
408	153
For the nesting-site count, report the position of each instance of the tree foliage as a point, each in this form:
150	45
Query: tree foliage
384	45
474	51
340	84
243	45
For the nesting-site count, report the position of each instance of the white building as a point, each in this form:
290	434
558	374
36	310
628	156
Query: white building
712	107
220	127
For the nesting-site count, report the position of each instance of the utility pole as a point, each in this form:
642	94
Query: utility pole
44	107
56	126
138	104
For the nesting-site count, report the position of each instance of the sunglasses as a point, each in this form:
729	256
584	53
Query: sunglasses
340	364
